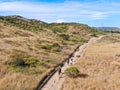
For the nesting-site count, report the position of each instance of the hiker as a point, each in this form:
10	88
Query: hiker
60	70
70	61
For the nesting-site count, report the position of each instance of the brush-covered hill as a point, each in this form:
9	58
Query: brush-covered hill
30	48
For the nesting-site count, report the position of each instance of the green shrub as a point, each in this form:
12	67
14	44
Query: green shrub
46	47
64	36
78	39
22	61
59	29
56	47
72	72
82	40
19	61
30	61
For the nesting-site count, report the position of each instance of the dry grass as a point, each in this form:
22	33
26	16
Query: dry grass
18	81
14	41
101	64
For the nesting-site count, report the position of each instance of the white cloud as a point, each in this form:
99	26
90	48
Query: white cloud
60	20
99	15
22	6
61	11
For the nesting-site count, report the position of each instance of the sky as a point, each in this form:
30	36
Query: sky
98	13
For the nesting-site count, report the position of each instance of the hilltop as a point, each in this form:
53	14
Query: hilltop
30	48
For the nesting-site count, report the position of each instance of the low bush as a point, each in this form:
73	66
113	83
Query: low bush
30	61
22	61
54	47
59	29
64	36
18	61
72	72
46	47
75	33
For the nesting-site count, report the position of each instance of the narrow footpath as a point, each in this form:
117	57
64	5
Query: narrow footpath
55	83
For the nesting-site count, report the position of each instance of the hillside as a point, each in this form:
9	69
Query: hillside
31	48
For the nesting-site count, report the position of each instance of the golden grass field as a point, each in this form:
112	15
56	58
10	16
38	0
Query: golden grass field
99	67
18	42
14	41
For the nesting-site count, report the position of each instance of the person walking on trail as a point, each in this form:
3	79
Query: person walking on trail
70	61
60	70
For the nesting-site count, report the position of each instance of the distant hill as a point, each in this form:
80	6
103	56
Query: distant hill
23	23
108	28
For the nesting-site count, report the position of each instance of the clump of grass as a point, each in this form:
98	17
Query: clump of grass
64	36
63	42
48	47
21	61
23	64
30	61
79	40
17	61
72	72
54	47
59	29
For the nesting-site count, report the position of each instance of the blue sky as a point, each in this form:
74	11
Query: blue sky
91	12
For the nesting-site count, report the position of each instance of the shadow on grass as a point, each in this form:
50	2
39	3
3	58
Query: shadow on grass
82	75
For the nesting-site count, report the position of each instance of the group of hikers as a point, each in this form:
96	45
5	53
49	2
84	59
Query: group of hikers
69	63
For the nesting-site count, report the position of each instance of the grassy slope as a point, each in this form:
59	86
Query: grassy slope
100	65
32	38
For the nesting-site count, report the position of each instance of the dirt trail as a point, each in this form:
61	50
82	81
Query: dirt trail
55	82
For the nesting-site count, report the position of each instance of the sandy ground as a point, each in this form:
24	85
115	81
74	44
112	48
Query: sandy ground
55	83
